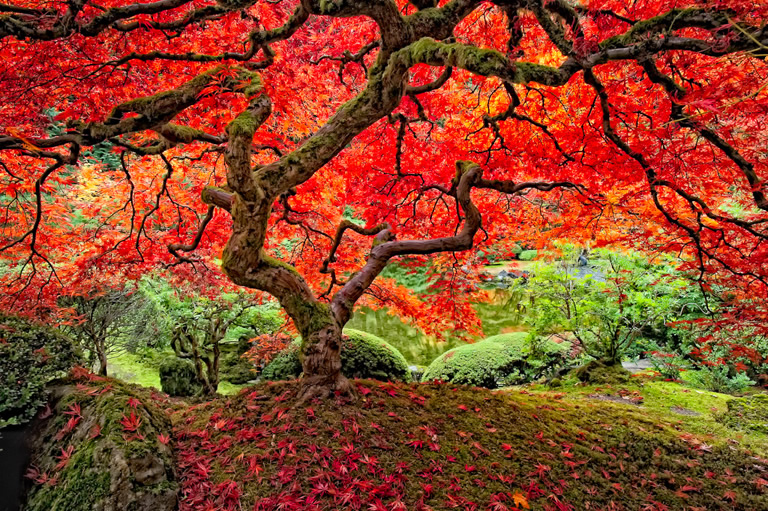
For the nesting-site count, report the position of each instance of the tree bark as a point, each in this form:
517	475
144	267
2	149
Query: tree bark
321	357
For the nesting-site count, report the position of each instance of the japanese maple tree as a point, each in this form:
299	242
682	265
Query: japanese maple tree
332	136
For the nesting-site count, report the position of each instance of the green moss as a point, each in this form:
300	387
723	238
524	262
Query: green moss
101	447
750	413
497	361
447	447
244	125
599	372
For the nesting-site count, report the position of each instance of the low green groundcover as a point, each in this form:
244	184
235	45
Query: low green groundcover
363	355
750	412
497	361
30	357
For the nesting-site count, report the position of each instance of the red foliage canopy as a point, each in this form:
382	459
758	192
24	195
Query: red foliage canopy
324	123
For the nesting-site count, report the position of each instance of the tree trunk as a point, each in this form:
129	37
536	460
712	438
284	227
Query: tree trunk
101	353
321	356
102	364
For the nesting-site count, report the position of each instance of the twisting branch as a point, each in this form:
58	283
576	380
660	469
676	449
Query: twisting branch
386	246
175	248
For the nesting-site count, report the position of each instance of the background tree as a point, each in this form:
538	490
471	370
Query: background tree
637	122
609	307
103	324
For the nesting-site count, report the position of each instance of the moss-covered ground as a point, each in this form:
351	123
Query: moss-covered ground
687	409
442	446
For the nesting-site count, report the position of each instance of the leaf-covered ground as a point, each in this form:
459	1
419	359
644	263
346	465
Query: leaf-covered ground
441	447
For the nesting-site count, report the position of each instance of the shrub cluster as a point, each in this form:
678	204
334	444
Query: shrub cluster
497	361
363	355
31	356
178	378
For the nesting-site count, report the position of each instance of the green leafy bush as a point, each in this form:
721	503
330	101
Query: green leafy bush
505	359
234	367
30	357
719	379
285	366
178	378
363	355
527	255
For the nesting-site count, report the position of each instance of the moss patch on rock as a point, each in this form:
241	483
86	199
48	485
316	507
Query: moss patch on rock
105	446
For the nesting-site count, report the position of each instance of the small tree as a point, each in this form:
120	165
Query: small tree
199	324
606	308
103	323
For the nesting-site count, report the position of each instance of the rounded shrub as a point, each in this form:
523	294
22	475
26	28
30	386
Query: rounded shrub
31	356
499	360
363	355
527	255
285	366
178	378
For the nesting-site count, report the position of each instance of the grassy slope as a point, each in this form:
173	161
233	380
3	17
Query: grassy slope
441	446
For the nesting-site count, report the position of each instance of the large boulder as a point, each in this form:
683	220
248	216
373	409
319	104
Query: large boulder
103	446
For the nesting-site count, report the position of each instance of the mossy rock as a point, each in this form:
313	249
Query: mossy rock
86	457
749	412
363	355
31	356
496	361
602	373
178	378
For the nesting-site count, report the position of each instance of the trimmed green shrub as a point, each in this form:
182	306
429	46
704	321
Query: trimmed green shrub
178	378
363	355
517	250
497	361
234	367
285	366
527	255
31	356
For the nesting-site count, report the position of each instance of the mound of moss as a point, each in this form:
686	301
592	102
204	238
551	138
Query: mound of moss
105	446
420	447
363	355
178	378
31	356
497	361
598	372
749	412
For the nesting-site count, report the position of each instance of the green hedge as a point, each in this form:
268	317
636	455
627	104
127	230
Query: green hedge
527	255
178	378
30	357
363	355
497	361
